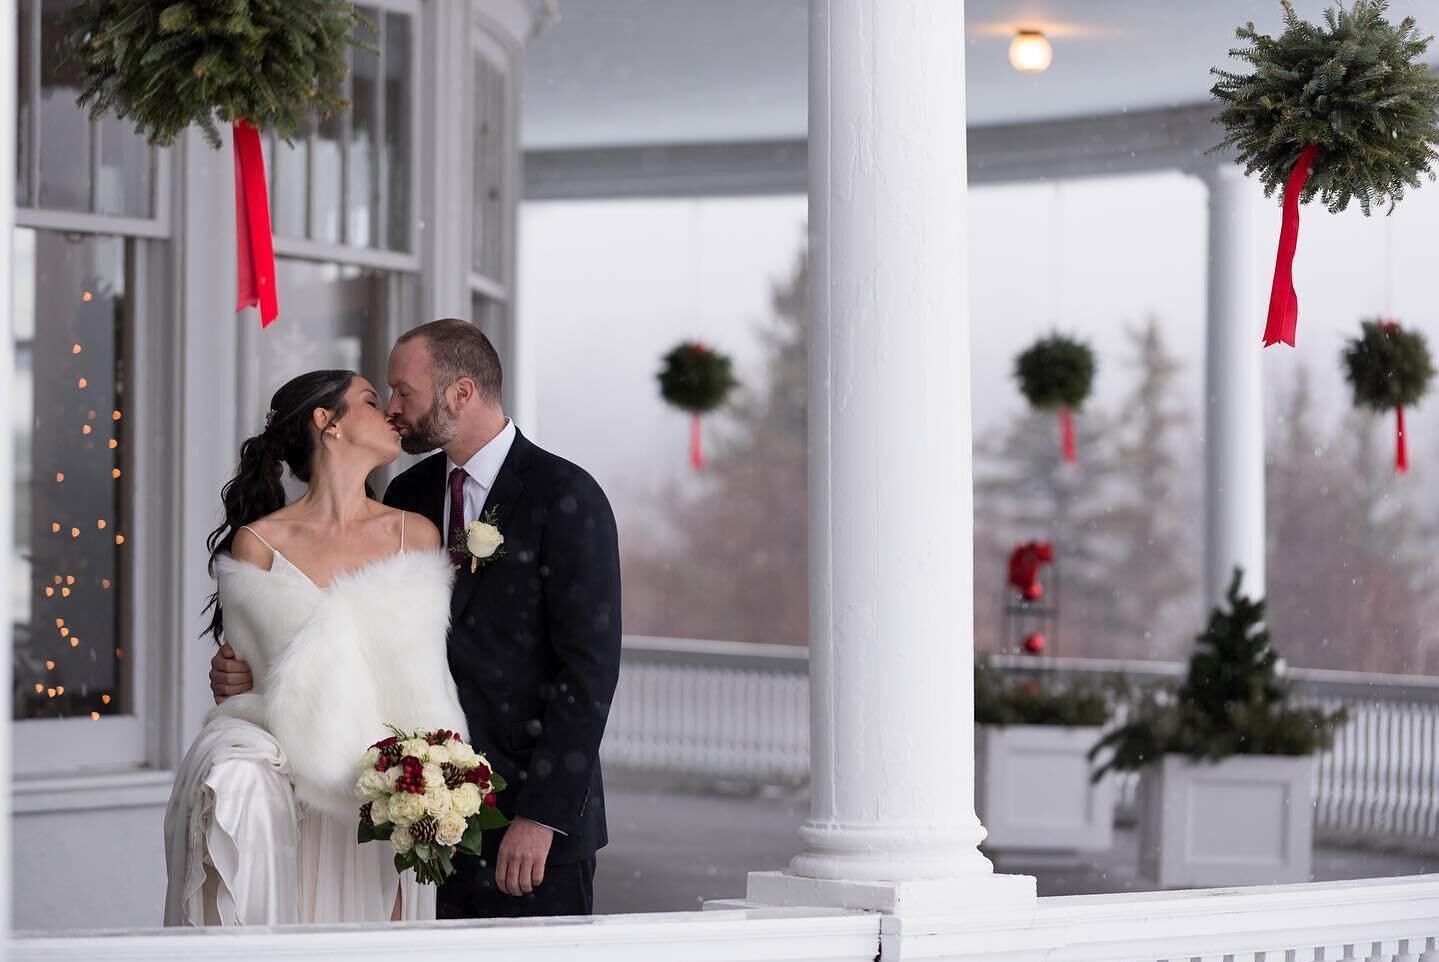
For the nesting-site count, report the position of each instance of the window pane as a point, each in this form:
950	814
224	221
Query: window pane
336	316
397	130
67	423
493	317
65	133
288	169
25	120
325	201
126	170
491	97
362	204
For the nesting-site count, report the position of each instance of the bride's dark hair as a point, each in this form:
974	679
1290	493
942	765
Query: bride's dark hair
289	439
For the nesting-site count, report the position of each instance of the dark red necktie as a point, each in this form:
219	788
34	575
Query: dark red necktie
457	515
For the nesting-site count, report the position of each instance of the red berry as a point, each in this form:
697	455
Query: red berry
1034	644
1033	591
491	801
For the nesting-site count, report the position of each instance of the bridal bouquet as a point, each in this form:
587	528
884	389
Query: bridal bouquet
427	793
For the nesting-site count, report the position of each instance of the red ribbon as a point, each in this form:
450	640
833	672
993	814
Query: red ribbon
697	454
1401	445
1283	302
254	245
1066	435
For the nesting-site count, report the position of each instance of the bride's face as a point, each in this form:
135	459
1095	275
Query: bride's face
364	427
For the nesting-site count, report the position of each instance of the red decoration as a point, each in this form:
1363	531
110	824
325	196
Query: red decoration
1401	446
1034	644
1283	302
1024	564
697	454
254	244
1066	435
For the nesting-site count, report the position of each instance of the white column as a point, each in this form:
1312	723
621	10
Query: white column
8	74
1239	253
892	824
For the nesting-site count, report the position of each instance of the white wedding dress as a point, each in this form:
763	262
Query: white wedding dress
261	826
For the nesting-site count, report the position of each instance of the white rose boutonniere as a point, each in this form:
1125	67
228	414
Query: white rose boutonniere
482	541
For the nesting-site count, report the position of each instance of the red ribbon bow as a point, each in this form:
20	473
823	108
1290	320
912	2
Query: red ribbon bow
254	245
1283	302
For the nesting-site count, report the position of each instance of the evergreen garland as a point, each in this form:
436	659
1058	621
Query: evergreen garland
271	63
1357	87
1056	371
1231	703
696	379
1387	366
999	701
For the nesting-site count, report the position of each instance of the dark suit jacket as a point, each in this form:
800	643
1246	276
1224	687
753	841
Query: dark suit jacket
535	638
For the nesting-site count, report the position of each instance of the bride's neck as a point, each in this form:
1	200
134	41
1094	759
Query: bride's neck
337	493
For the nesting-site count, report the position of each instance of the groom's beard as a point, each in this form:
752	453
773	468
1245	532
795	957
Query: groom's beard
435	428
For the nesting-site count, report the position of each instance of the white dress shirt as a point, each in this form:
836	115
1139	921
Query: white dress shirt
480	473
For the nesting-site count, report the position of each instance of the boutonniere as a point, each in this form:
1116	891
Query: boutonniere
482	541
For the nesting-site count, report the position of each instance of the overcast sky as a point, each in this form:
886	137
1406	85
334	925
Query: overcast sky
610	286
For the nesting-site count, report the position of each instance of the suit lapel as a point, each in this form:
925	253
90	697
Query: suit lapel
502	497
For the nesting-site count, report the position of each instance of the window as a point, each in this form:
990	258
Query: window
492	202
346	179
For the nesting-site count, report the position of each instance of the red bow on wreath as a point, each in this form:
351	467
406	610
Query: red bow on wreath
1024	564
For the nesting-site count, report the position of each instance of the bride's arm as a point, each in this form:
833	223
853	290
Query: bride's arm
228	674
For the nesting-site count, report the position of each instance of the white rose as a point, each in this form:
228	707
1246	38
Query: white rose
483	539
380	811
437	801
466	800
463	755
367	762
449	829
371	784
405	808
392	777
414	746
438	755
402	840
433	776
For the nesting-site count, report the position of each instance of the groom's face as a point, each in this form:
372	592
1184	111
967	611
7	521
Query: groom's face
419	407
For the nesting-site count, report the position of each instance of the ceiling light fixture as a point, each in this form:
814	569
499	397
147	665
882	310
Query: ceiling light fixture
1029	52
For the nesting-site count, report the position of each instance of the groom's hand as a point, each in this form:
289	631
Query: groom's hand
228	675
523	850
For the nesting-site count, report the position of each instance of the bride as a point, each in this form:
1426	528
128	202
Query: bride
341	606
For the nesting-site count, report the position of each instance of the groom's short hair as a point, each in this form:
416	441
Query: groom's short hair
460	349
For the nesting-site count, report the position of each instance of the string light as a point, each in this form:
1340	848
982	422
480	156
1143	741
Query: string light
105	699
39	688
105	583
115	473
119	539
49	693
100	524
69	579
74	532
113	444
83	383
87	297
59	580
85	429
59	478
49	666
95	715
75	349
59	622
64	632
59	689
49	592
64	592
89	415
115	415
74	642
55	527
119	652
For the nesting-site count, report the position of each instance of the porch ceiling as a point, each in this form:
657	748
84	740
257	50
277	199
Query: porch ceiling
628	72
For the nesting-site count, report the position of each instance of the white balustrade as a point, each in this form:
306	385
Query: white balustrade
725	711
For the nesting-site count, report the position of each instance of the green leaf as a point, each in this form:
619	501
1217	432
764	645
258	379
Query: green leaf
422	851
491	818
497	782
470	841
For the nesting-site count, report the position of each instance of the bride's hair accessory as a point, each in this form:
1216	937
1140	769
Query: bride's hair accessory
270	418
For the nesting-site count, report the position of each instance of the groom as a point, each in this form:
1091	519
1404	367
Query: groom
534	641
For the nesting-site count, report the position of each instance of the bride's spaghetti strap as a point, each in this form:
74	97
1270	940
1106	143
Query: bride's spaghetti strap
246	527
402	529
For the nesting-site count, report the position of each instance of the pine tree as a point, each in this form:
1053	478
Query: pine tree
1232	702
1156	573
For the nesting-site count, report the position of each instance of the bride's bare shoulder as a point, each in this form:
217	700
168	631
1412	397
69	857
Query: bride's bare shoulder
420	532
248	547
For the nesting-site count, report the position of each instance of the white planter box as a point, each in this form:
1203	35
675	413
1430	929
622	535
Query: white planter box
1033	792
1246	820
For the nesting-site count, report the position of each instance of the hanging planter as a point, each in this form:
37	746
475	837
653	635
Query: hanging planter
1389	368
696	379
1057	372
1345	111
261	66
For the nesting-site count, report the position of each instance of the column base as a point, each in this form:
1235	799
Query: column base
954	897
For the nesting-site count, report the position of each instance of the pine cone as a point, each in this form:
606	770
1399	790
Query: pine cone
392	752
423	830
365	814
454	775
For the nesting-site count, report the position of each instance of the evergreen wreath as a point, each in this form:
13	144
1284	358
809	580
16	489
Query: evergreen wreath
1357	87
1079	703
696	378
1387	366
270	63
1056	371
1233	701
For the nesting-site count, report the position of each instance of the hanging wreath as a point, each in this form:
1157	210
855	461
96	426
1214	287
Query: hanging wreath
696	379
1057	372
1389	368
1345	111
260	65
1025	561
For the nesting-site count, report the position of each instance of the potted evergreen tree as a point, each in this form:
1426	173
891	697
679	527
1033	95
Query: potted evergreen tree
1226	761
1033	787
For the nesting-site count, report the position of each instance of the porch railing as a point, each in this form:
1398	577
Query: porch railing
725	711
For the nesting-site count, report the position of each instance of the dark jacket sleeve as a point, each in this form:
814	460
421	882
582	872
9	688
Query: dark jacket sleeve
580	570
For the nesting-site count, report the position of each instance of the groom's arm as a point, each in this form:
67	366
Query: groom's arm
580	564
